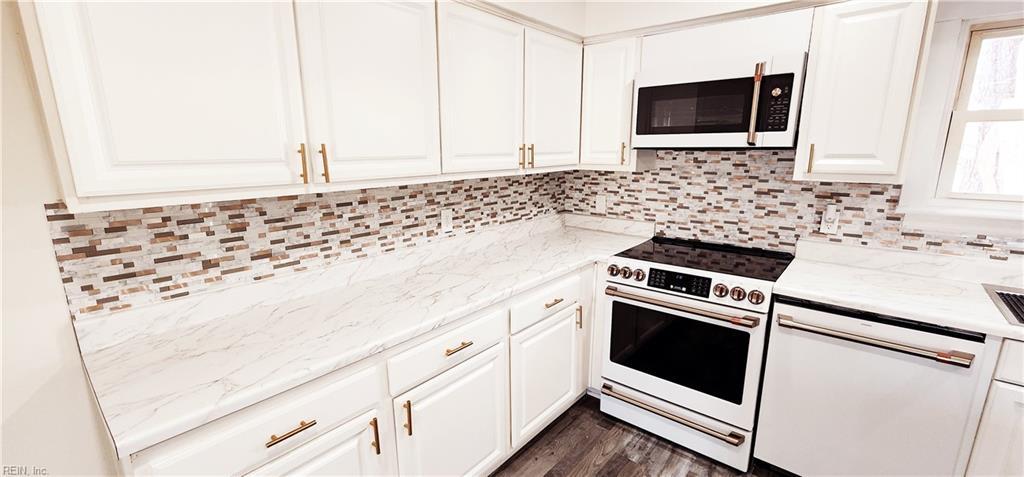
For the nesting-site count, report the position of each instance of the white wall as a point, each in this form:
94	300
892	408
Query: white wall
50	418
613	16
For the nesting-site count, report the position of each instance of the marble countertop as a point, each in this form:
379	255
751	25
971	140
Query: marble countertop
162	370
942	290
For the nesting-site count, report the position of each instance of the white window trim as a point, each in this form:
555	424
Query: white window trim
923	206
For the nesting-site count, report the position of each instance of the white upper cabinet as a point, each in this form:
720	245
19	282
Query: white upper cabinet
860	80
370	79
156	97
608	70
553	77
481	69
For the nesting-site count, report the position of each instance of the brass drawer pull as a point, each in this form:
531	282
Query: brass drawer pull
522	156
327	168
303	425
305	169
579	316
554	302
464	345
408	417
810	159
533	155
376	436
622	155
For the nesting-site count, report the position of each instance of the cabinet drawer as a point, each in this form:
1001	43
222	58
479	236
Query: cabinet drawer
1011	362
445	351
545	301
238	442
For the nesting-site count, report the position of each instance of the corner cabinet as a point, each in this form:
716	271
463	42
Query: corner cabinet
608	71
170	97
861	74
457	422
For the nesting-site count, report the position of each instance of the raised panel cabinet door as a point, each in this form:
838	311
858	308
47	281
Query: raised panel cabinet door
999	447
608	70
481	61
175	96
860	79
457	422
349	449
553	81
545	367
370	76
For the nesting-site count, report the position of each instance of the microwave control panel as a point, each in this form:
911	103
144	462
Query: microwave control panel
773	107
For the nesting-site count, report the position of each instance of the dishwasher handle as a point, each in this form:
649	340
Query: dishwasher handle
956	358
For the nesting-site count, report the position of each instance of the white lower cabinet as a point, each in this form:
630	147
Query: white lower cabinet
999	447
457	422
545	367
353	448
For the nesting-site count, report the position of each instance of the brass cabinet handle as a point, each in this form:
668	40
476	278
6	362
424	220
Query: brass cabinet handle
810	159
746	321
553	302
533	155
732	438
303	425
957	358
327	168
579	316
408	417
622	155
376	436
522	156
464	345
752	129
305	171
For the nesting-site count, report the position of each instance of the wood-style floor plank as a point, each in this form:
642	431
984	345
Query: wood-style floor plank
585	442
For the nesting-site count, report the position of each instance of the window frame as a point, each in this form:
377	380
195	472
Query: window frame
962	115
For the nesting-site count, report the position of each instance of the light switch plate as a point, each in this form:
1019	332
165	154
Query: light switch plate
447	217
830	220
601	204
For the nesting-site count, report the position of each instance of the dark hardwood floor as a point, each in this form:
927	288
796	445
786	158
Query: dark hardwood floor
585	442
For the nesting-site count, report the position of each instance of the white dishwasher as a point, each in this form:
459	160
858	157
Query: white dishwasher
852	393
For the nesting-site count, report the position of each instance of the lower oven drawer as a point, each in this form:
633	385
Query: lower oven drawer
858	394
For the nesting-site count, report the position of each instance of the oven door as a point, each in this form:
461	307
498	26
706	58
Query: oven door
697	362
736	103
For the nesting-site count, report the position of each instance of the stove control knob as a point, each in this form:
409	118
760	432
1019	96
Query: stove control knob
755	297
720	290
627	273
738	293
613	270
639	275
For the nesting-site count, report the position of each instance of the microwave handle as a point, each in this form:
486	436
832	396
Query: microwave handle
752	129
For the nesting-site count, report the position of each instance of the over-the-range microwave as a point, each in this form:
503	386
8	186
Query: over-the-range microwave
728	103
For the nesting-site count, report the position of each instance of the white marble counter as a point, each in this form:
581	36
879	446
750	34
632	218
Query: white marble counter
939	289
163	370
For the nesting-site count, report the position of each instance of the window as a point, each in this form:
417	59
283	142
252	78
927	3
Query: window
984	154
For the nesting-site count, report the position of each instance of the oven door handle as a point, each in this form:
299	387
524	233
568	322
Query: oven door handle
732	438
745	321
752	128
956	358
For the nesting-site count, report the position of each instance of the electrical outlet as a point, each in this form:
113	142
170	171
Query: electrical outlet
601	204
830	220
447	217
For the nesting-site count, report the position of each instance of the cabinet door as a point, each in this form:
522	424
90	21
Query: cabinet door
456	423
553	78
481	59
370	77
545	366
608	70
860	77
349	449
166	96
999	447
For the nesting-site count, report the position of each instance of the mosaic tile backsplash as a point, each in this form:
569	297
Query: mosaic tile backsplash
119	259
114	260
749	198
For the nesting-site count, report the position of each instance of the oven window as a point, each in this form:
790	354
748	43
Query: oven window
707	358
708	107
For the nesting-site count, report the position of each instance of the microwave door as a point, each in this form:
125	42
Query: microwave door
706	107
